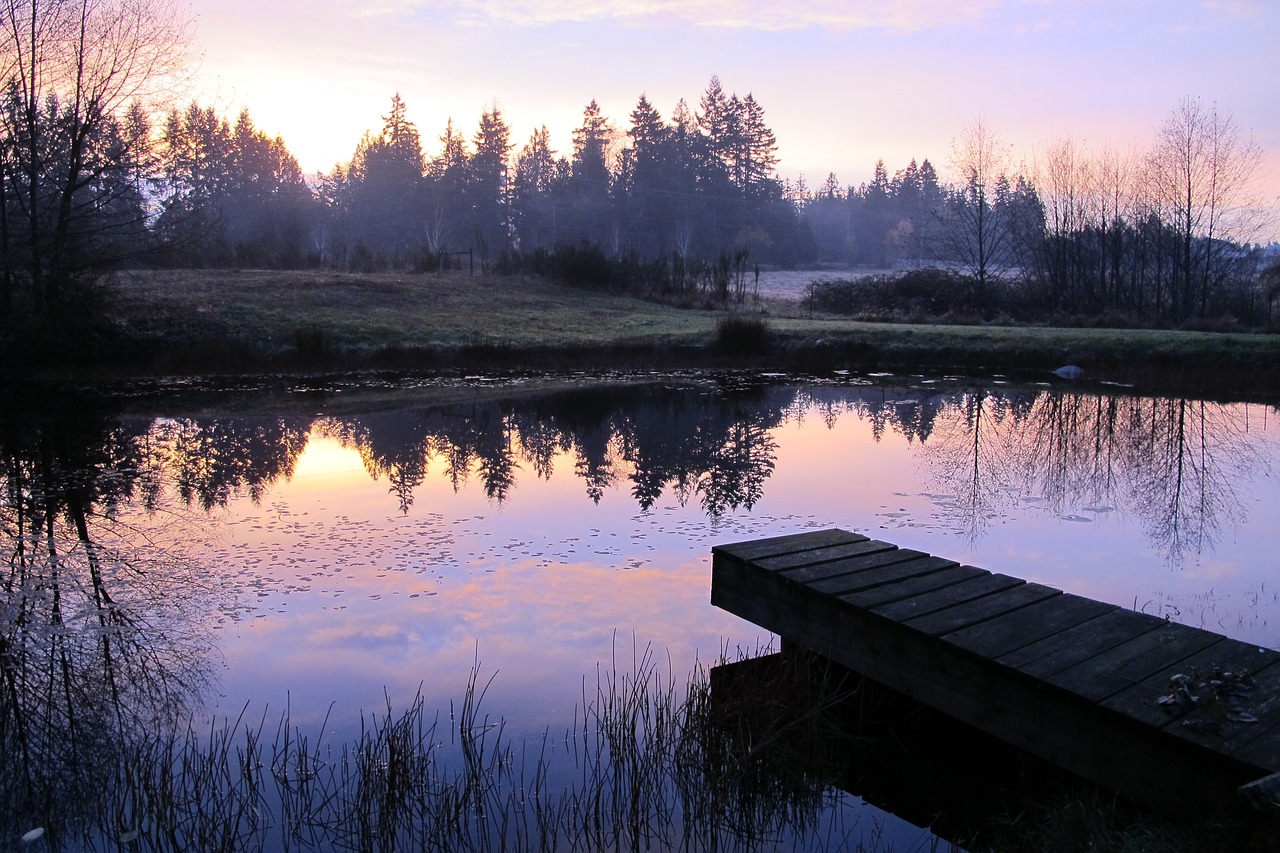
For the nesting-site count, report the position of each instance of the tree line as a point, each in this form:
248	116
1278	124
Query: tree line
93	179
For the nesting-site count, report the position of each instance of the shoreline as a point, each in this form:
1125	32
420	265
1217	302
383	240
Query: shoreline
241	323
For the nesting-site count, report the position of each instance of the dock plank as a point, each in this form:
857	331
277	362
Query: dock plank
982	610
822	557
1072	646
1071	679
1133	661
869	557
1141	700
1215	721
910	587
882	574
786	544
939	599
1032	624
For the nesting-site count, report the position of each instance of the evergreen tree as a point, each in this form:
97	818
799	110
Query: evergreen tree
380	203
591	179
647	181
759	151
591	143
446	207
269	209
196	148
534	200
718	125
487	188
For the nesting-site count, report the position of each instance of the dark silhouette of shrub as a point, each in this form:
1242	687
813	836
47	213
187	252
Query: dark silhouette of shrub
742	336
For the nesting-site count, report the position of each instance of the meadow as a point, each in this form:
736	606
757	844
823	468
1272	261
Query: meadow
242	320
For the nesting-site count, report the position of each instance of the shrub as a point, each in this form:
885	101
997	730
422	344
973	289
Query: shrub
926	294
742	336
312	343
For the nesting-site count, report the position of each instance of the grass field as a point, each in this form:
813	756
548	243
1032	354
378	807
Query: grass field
236	320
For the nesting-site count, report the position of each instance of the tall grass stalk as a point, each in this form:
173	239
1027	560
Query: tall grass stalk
654	763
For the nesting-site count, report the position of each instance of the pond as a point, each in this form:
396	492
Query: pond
510	553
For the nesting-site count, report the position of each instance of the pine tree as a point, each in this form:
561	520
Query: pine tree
534	192
488	184
591	179
591	143
384	194
759	149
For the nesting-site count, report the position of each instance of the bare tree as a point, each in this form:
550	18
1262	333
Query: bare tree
1089	199
1202	171
972	222
70	71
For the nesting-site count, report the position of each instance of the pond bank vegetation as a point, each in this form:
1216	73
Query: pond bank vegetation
203	322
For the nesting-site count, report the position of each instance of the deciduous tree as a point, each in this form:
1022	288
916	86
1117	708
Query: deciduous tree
70	72
1202	170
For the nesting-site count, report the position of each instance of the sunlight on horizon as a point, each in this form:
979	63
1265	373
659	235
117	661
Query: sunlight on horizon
838	96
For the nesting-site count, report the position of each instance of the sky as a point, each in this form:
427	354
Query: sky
843	83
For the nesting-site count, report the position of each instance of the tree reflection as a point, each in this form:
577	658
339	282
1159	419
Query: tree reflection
209	460
1175	464
969	445
655	437
102	633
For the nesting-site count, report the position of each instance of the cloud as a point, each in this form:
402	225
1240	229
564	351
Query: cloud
908	15
1233	10
835	16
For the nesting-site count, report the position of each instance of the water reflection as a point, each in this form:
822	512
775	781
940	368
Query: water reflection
1177	465
208	461
103	628
713	446
104	622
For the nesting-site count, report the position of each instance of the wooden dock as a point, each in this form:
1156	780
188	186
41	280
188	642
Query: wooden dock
1160	712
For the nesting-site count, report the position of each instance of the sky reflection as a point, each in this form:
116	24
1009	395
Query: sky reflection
551	536
346	599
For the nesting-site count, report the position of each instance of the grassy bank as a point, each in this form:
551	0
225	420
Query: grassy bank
201	321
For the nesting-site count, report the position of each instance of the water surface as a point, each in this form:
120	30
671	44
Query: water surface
335	548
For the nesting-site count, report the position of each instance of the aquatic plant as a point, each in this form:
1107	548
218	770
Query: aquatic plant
650	761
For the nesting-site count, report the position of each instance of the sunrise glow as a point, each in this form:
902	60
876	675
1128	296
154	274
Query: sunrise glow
843	84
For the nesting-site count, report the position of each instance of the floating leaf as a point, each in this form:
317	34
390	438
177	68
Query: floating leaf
1236	715
32	834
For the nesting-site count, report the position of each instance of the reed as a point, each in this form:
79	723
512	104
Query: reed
742	757
650	761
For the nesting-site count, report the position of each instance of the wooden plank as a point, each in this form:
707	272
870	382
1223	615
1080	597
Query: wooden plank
874	553
911	587
1073	680
1131	662
884	573
1208	723
869	560
1080	643
786	544
1263	748
799	560
1031	624
1051	723
907	608
980	610
1140	700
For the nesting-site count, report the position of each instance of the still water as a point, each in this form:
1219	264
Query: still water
334	548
